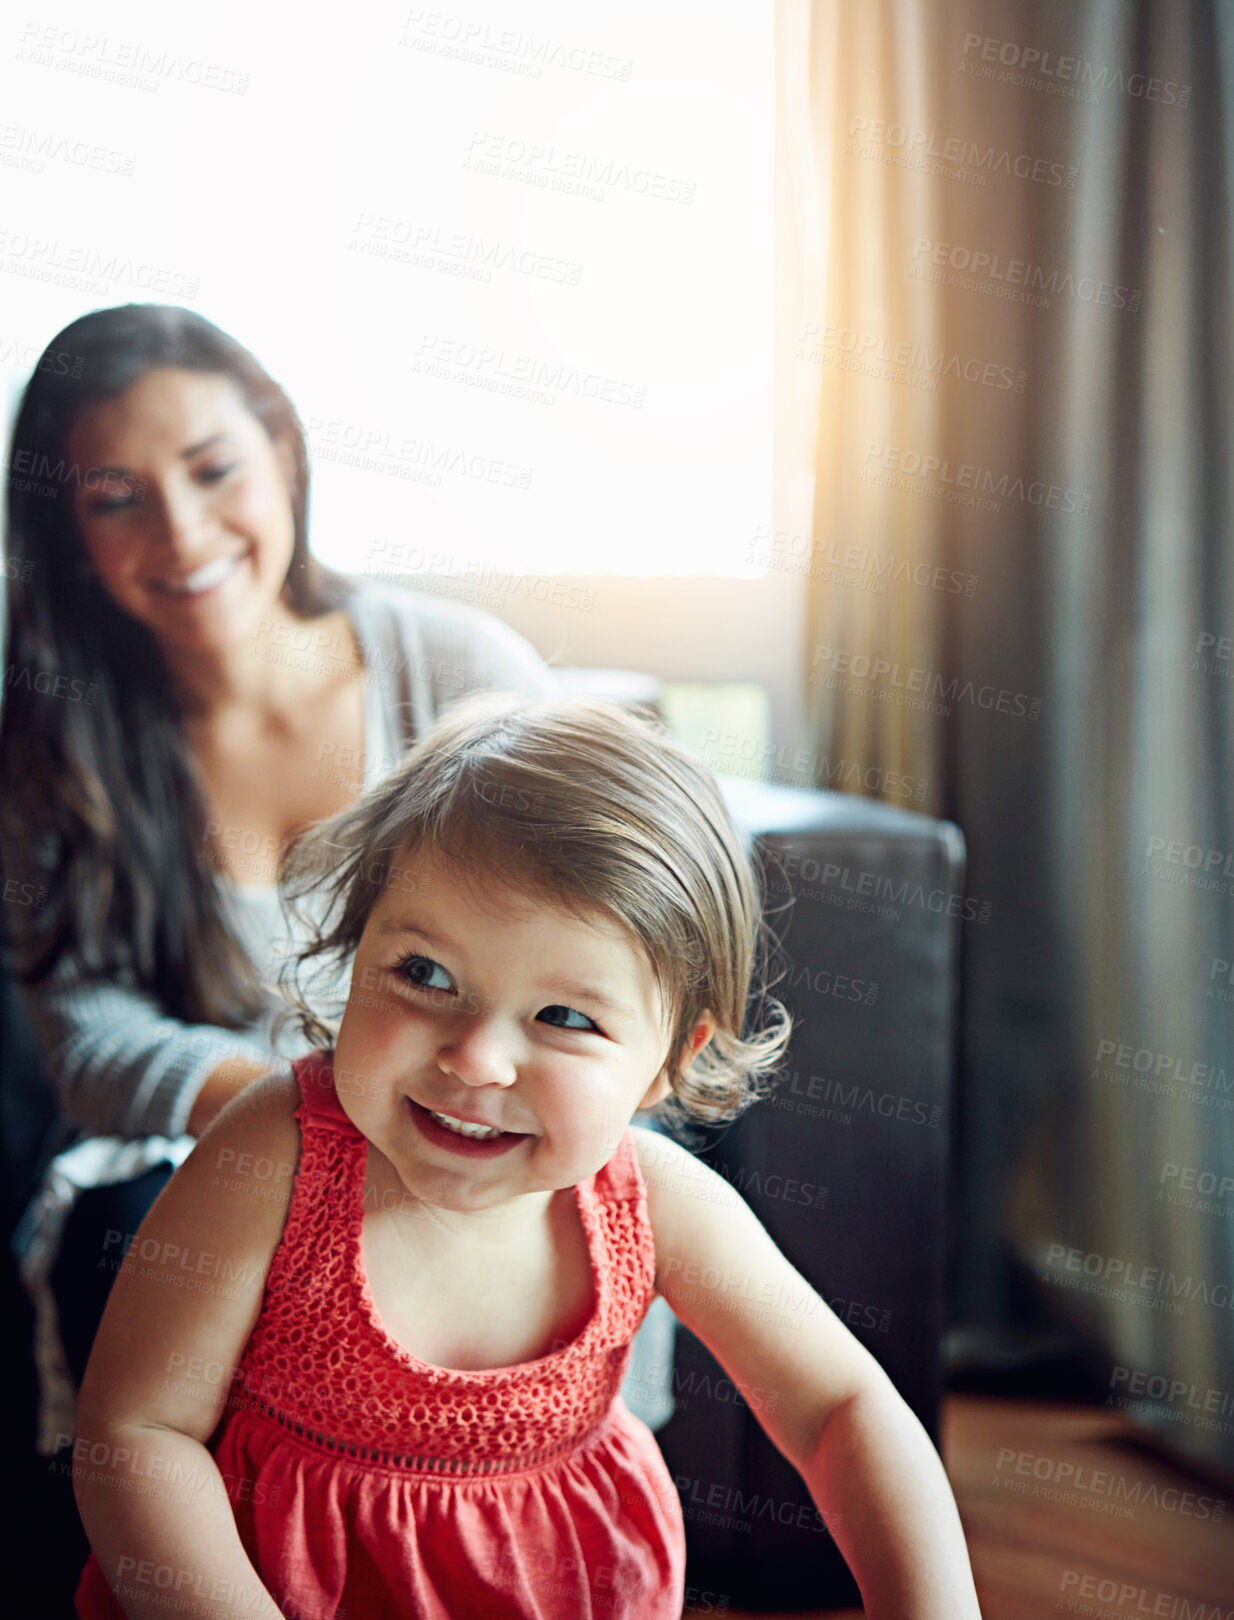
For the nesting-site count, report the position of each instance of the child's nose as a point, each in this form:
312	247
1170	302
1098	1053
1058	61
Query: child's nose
479	1054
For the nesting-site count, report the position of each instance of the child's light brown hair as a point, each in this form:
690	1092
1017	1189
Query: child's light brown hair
584	804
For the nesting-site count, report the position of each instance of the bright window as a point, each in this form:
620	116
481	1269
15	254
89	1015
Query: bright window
513	261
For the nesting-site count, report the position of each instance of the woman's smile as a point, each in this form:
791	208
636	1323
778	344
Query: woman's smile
204	580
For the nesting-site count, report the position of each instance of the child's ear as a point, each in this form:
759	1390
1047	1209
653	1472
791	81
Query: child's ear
660	1087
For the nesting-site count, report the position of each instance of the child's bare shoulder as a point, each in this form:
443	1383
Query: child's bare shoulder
267	1103
659	1152
677	1182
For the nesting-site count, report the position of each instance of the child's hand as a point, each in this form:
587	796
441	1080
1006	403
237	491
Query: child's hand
180	1312
820	1395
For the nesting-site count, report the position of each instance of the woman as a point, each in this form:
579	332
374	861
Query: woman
187	690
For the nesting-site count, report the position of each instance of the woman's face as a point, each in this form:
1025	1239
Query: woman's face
184	507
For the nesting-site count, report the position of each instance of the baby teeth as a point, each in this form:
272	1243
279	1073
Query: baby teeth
484	1133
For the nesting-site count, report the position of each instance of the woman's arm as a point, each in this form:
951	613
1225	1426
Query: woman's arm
821	1396
122	1067
148	1490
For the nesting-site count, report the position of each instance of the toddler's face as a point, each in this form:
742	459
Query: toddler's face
503	1011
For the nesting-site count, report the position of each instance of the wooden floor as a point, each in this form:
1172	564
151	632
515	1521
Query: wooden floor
1046	1539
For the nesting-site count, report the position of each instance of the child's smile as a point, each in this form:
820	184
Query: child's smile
458	1134
475	1010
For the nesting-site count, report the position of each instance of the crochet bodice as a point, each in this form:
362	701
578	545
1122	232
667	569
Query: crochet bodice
320	1362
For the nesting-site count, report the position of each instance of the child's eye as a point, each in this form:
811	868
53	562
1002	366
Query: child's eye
212	475
556	1016
419	971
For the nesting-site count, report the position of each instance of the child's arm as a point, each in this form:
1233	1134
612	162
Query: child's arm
153	1502
821	1396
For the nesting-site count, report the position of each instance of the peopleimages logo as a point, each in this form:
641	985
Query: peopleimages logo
1073	69
1156	1387
1131	1278
911	147
128	62
910	681
1017	273
1122	1600
820	345
1170	1400
485	44
1192	1188
1081	1485
523	376
429	246
27	148
44	258
963	482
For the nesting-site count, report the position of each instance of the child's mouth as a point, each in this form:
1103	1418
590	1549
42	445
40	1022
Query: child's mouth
460	1137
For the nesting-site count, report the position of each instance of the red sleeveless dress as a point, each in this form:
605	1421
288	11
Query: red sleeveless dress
370	1485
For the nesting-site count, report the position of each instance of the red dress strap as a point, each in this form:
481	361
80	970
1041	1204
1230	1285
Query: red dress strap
319	1102
622	1177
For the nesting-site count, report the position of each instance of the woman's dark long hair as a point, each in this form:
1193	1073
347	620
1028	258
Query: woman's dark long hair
102	804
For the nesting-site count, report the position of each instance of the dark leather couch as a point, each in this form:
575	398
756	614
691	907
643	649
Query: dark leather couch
846	1164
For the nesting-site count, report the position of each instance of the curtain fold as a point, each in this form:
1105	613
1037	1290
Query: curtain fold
1018	367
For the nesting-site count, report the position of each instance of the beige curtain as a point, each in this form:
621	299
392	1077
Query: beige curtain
848	305
1004	381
